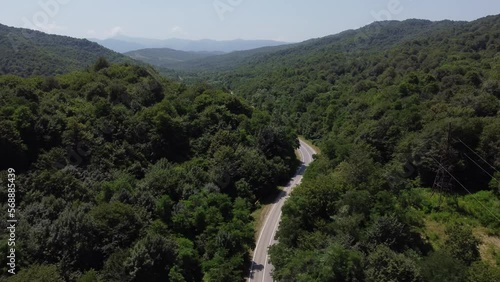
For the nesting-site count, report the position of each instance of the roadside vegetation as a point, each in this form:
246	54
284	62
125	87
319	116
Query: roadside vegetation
126	176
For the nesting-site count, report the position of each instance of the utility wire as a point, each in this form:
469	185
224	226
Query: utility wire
478	155
465	188
481	167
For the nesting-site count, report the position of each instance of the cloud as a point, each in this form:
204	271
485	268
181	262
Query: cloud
115	31
104	34
51	28
178	30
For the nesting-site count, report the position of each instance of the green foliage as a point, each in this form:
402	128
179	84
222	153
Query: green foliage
483	206
101	63
89	276
117	224
114	269
150	258
385	265
379	101
462	244
41	273
156	177
28	52
167	58
73	241
441	266
482	272
127	176
389	231
335	263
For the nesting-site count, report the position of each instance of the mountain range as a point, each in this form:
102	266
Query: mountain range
28	52
127	175
123	44
166	57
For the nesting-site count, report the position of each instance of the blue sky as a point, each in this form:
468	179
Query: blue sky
286	20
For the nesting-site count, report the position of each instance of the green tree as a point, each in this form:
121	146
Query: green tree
89	276
385	265
39	273
441	266
114	269
117	225
462	244
389	231
151	258
73	241
483	272
100	64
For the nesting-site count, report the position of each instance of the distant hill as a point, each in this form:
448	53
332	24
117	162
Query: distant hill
317	51
123	44
174	62
228	61
295	55
166	57
119	45
27	52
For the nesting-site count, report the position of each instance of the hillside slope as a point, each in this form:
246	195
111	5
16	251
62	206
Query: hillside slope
126	176
26	52
166	57
314	51
392	105
205	68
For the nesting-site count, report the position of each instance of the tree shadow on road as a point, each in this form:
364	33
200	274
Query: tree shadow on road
277	195
255	268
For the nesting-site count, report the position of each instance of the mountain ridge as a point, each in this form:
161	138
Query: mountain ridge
382	35
26	52
167	57
124	44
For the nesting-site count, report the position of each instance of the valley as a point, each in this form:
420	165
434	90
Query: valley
156	161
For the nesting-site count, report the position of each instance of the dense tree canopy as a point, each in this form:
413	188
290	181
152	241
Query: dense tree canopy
27	52
383	103
126	176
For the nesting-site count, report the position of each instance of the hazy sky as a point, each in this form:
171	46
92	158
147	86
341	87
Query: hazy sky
286	20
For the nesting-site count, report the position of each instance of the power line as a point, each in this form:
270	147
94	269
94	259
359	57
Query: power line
483	159
442	181
477	155
465	188
481	167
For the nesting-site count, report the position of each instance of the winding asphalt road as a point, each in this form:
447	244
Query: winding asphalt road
261	269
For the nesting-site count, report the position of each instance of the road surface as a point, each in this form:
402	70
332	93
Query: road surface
261	269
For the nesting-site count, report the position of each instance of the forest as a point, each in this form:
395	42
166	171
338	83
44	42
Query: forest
126	175
123	175
26	52
407	116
